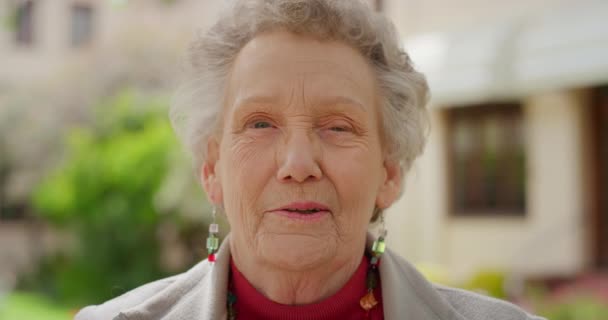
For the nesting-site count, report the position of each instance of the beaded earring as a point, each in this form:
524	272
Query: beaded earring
213	241
369	301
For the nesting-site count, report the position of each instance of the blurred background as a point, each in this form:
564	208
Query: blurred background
509	199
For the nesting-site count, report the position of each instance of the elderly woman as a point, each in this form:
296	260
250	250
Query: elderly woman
303	117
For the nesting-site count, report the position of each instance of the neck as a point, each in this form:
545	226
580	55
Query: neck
296	287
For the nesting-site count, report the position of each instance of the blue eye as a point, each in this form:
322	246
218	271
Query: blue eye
262	125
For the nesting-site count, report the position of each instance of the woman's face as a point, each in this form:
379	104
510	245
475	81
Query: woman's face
299	164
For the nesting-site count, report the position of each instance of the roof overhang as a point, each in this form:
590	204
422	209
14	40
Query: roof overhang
567	48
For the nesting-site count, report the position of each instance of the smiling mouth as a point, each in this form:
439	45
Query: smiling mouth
304	209
307	211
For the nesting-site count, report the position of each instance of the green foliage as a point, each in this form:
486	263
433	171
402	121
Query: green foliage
577	308
31	306
582	309
576	305
104	195
490	282
9	20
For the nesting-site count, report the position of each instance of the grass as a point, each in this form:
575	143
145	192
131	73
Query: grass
18	306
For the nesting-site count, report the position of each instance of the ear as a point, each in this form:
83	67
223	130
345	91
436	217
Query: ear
390	186
210	177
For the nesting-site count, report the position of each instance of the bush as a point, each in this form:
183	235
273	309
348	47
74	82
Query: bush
103	195
575	303
576	308
31	306
489	282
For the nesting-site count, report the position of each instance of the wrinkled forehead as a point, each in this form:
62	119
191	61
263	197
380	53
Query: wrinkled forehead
287	67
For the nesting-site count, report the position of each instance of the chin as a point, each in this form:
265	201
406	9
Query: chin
296	252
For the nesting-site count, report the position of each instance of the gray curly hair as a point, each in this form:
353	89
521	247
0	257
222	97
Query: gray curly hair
404	92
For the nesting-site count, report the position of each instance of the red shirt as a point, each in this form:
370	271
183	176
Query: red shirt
344	304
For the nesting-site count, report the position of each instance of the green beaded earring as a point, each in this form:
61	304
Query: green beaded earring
379	246
369	301
213	241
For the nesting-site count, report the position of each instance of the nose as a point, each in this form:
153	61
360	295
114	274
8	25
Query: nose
299	158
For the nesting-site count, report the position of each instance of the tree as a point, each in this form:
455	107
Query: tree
104	195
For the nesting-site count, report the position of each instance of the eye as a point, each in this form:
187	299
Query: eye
261	125
339	126
340	129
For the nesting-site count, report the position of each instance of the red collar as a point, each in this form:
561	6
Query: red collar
252	305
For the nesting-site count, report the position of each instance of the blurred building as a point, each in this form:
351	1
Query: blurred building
514	174
38	38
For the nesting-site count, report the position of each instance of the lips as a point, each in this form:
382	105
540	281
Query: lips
304	211
304	208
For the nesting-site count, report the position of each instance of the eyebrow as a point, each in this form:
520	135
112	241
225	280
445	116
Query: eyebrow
325	101
341	100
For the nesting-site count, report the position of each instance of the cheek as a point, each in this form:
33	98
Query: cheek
247	157
247	167
356	175
358	163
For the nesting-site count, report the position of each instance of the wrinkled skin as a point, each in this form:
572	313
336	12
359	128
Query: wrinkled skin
300	124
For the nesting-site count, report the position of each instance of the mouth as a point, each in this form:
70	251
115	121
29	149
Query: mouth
300	210
306	207
309	211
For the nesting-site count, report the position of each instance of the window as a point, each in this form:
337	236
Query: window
12	212
378	5
82	25
9	210
24	23
599	221
487	160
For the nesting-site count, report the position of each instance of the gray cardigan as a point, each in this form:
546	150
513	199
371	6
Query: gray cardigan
200	294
